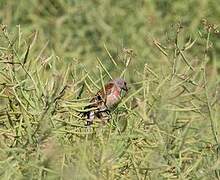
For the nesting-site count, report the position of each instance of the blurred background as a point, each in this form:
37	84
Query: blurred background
167	50
75	29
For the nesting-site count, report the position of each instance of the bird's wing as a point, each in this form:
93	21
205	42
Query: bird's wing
100	98
107	90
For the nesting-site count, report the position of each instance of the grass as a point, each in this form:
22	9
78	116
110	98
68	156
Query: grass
55	55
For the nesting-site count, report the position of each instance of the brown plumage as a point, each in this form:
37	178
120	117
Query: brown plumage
105	100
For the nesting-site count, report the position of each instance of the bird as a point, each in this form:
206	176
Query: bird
105	101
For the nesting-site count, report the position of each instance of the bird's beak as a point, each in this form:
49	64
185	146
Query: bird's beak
125	88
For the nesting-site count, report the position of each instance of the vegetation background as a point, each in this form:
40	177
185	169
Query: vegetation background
55	54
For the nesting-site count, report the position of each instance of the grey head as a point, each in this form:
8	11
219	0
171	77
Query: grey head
121	83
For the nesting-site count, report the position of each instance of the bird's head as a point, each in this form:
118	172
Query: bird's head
121	84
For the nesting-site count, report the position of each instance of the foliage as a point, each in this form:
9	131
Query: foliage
54	55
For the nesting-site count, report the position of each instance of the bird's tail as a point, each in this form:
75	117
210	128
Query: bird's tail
95	110
88	115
